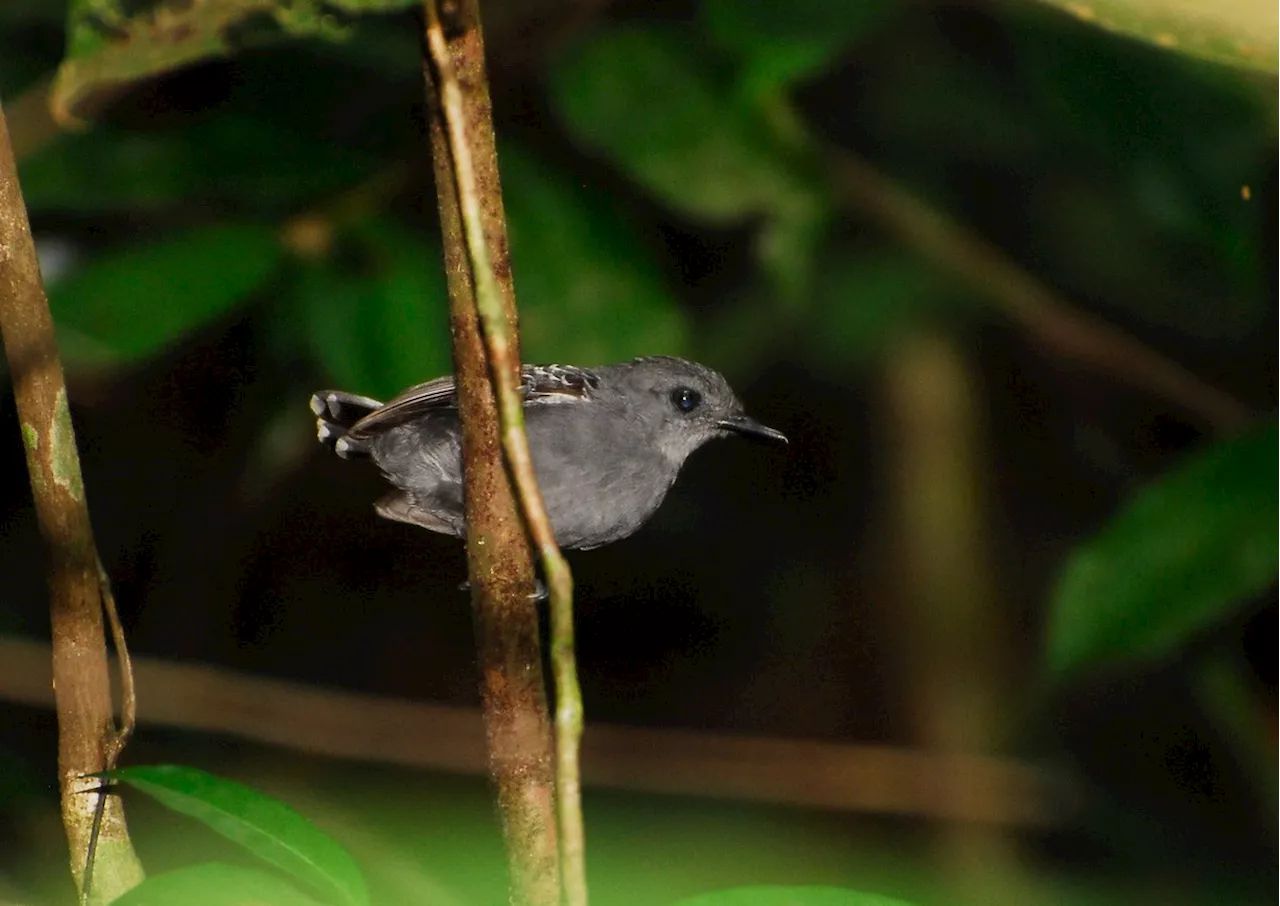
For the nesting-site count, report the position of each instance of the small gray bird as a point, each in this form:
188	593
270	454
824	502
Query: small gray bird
607	442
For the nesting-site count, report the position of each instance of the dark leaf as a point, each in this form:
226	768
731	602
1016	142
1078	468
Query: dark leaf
1179	558
780	44
130	302
227	158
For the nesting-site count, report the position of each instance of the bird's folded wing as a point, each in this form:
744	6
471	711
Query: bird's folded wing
538	384
407	405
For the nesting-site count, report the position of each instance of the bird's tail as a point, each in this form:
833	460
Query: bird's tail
336	412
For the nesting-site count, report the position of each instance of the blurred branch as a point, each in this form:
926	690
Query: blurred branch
496	306
987	270
31	123
953	631
338	724
499	560
87	742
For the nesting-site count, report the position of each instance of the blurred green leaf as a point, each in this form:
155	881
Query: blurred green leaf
130	302
588	289
229	157
378	323
265	826
790	896
1241	32
1176	560
780	44
649	101
214	884
867	301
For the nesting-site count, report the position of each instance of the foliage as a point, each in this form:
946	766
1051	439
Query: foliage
264	826
1240	32
790	896
1179	558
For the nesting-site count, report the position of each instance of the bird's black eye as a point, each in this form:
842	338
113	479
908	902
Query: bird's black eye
685	399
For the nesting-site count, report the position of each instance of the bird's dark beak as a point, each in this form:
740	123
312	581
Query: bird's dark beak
749	427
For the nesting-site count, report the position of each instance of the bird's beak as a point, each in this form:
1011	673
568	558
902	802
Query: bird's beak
749	427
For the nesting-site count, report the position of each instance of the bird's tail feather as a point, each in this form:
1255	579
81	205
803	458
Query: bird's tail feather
336	411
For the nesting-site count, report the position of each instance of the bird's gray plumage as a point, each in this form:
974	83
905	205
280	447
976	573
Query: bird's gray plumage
607	442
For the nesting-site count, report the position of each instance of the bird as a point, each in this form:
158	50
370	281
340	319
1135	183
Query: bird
607	442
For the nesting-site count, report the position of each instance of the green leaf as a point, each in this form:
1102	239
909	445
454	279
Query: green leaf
379	323
790	896
266	827
214	884
1241	33
1176	560
588	289
229	157
646	99
649	101
130	302
781	44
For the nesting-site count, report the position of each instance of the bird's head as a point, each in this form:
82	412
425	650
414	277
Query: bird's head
685	404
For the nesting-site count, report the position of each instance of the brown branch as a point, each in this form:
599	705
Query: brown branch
801	773
86	738
499	560
1049	319
504	360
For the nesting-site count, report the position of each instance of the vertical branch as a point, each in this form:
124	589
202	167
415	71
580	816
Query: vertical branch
954	641
499	559
87	741
501	339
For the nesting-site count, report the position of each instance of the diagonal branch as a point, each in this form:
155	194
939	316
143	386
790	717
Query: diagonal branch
87	742
1050	320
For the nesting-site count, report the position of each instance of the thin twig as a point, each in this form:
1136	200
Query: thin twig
1051	320
81	679
516	446
128	695
118	739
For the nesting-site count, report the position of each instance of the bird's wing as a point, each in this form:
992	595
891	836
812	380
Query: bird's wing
539	384
433	396
557	383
